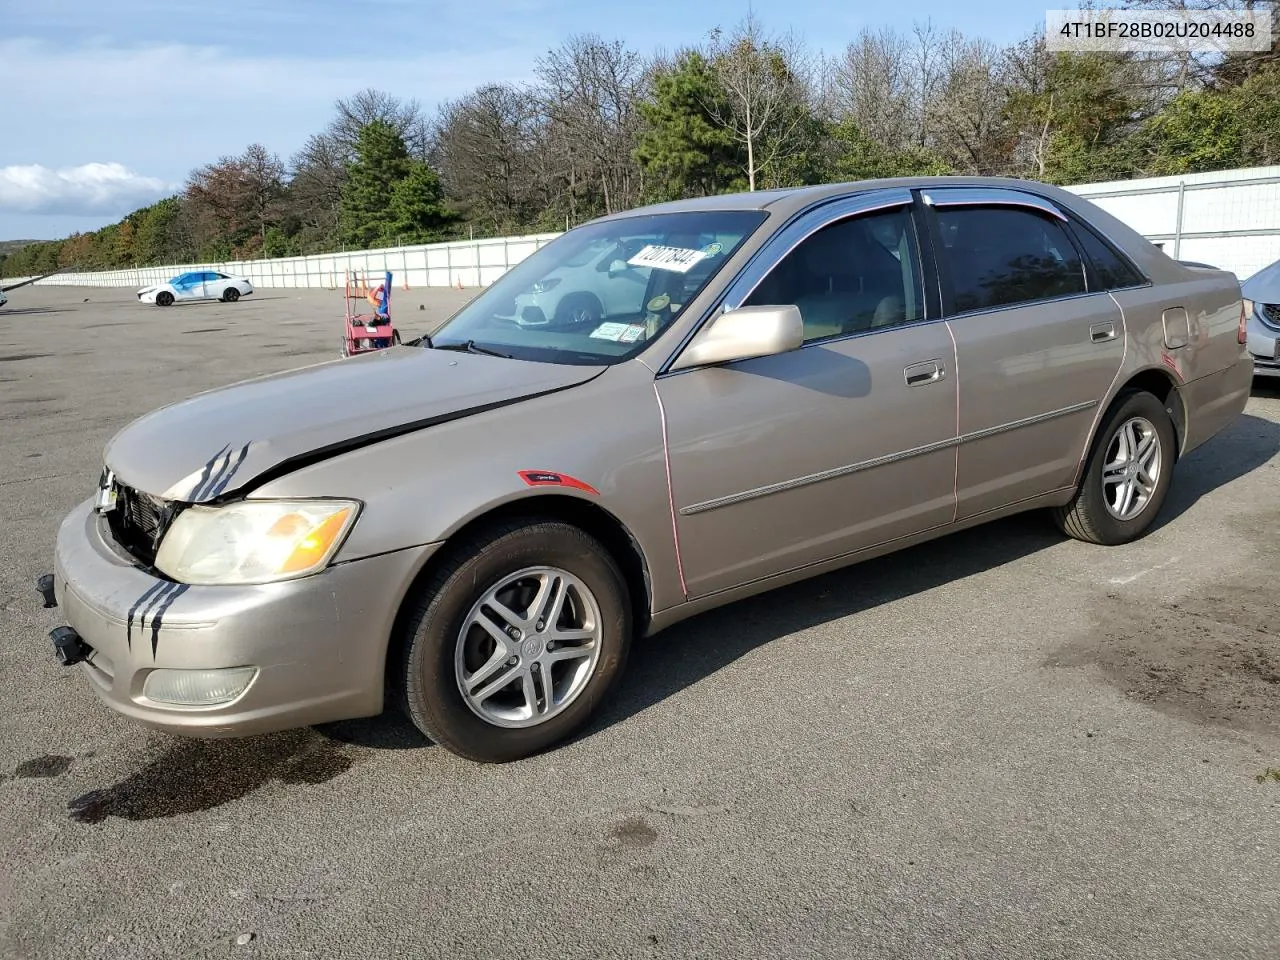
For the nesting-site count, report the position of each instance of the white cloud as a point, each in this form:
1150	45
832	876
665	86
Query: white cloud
91	188
168	108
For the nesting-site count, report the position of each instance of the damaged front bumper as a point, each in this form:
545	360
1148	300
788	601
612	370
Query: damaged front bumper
225	660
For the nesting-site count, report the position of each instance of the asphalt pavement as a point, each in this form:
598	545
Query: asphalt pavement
1001	744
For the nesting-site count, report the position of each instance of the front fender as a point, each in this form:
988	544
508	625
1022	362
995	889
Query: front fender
601	442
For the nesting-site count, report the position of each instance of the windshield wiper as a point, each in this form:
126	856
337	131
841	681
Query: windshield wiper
422	341
470	346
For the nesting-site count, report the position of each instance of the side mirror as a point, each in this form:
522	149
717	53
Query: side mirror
745	333
616	267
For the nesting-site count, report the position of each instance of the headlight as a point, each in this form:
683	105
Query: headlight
254	541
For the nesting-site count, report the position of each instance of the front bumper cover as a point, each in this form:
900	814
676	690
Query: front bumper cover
319	642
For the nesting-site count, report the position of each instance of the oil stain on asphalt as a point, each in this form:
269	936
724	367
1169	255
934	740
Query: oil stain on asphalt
189	776
1212	659
46	766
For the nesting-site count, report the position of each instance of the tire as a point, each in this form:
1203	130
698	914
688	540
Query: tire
1097	513
164	299
577	310
441	642
230	295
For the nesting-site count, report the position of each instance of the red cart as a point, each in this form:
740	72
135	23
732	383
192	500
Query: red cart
365	332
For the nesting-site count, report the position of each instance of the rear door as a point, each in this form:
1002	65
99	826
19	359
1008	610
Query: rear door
780	462
1037	349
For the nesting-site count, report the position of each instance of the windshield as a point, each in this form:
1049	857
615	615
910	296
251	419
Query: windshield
601	292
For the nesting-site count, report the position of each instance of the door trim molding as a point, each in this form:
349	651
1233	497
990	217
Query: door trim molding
871	464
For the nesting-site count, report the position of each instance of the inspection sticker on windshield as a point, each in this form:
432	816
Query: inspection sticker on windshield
679	259
609	331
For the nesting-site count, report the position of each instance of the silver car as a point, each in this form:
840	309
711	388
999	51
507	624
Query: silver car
1262	303
476	524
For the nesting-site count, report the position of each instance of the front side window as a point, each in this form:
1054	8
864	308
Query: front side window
1001	256
851	276
601	292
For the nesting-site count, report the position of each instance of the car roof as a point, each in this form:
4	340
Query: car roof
788	200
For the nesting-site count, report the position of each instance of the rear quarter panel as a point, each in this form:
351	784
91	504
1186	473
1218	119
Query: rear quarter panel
1211	370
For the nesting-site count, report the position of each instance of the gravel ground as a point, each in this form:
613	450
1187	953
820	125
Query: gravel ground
1000	744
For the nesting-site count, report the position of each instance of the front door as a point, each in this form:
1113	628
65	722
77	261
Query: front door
785	461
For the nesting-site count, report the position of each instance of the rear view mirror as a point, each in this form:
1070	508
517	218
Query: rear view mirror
745	333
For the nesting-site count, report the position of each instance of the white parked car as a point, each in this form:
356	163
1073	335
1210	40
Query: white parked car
596	284
196	285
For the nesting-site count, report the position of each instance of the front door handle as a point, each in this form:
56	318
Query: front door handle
927	371
1102	332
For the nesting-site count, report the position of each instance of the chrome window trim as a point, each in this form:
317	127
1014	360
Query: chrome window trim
786	239
979	311
990	196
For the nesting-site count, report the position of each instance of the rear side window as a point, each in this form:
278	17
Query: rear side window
1001	256
1110	269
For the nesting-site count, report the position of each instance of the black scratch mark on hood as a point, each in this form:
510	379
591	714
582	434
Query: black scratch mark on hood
208	475
232	466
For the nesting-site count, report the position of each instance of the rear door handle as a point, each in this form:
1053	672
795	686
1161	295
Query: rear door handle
1102	332
926	371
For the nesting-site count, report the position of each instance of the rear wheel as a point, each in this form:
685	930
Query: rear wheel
513	644
230	295
164	299
1127	476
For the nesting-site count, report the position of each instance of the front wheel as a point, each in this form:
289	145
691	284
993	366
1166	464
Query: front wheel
164	299
513	644
230	295
1127	476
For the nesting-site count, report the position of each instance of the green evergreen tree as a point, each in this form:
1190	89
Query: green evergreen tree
418	212
382	160
683	151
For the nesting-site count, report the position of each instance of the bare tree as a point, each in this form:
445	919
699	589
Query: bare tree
969	127
873	85
588	89
263	184
356	112
236	194
484	142
762	78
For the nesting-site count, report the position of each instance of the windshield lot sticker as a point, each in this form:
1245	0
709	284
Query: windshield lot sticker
633	333
678	259
609	331
711	249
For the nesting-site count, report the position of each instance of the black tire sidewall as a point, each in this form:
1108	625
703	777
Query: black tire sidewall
566	307
1112	529
430	688
164	298
230	295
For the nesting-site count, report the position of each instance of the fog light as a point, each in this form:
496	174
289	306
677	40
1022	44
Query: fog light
193	688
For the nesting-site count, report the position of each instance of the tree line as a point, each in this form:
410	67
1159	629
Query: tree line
603	128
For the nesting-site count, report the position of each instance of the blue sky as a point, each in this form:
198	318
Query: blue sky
107	111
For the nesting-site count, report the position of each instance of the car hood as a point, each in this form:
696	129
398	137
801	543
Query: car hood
214	443
1263	286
